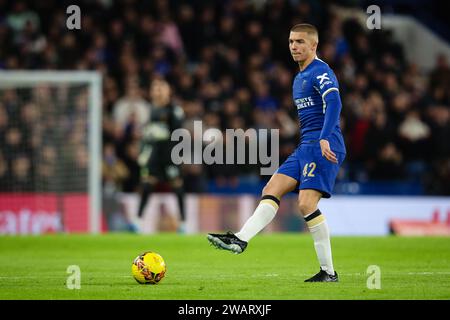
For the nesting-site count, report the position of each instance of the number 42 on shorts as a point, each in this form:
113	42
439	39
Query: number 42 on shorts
308	169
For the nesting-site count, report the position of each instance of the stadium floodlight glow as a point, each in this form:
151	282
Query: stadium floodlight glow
90	83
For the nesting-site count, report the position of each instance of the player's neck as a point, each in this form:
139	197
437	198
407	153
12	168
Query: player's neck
303	64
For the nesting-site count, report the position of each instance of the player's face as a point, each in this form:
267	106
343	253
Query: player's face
302	46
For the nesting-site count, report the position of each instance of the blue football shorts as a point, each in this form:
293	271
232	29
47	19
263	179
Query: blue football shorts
312	171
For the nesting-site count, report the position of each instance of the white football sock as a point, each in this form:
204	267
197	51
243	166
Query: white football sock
262	216
321	235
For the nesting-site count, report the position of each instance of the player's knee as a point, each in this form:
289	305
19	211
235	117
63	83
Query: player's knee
305	206
269	189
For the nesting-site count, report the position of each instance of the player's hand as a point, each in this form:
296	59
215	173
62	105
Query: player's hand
326	151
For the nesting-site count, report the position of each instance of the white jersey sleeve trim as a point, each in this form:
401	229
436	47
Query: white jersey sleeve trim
328	91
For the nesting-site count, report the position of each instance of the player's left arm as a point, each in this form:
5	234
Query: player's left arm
327	85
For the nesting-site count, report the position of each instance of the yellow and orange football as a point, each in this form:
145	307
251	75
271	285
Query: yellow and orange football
148	268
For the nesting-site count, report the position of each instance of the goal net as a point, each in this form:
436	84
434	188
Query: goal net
50	152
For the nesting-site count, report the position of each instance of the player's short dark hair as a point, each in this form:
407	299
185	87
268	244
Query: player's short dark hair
306	27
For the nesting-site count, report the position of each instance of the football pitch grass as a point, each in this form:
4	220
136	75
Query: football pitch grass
273	267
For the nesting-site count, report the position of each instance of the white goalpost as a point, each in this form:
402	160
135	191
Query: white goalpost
51	148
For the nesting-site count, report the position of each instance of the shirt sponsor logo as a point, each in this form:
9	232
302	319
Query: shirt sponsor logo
324	80
304	102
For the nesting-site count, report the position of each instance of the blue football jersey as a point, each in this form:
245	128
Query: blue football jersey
309	90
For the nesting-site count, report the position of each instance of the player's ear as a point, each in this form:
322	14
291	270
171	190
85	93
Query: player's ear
313	42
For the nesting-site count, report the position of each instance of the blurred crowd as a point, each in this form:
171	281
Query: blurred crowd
43	138
229	65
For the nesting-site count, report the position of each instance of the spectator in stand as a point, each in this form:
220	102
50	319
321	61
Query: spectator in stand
131	107
22	177
388	164
440	75
4	174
